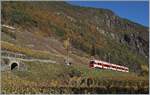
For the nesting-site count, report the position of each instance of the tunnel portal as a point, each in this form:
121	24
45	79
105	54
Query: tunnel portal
14	66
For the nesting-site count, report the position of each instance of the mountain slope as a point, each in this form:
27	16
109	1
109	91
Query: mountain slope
44	26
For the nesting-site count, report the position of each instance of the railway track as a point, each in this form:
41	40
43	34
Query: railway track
21	57
29	60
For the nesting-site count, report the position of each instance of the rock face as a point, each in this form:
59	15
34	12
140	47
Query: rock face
126	42
136	42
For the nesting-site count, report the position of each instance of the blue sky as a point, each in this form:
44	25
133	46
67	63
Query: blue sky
137	11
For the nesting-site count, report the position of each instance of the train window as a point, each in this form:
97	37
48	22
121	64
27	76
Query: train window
118	68
91	62
103	64
121	68
106	65
124	69
112	66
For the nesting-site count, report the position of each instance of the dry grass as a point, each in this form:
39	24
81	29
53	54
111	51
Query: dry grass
29	52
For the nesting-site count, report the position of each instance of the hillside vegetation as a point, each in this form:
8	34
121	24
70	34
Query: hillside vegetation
125	41
41	29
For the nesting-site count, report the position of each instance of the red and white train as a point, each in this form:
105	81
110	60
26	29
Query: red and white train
106	65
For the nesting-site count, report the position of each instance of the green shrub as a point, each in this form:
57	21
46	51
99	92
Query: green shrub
20	17
58	31
74	72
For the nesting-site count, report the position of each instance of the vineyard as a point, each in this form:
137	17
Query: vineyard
40	78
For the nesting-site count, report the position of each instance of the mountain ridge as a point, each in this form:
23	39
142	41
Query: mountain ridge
111	11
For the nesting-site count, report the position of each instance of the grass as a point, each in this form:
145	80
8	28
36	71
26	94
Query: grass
29	52
58	31
46	71
48	78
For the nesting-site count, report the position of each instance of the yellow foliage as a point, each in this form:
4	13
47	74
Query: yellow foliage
144	67
26	51
66	43
54	83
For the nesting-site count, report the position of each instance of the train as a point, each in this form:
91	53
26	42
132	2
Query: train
106	65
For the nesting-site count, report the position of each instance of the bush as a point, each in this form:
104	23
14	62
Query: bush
20	17
74	72
58	31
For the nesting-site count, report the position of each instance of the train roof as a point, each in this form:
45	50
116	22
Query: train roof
99	61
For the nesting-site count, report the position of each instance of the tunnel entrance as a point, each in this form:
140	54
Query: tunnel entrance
14	66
